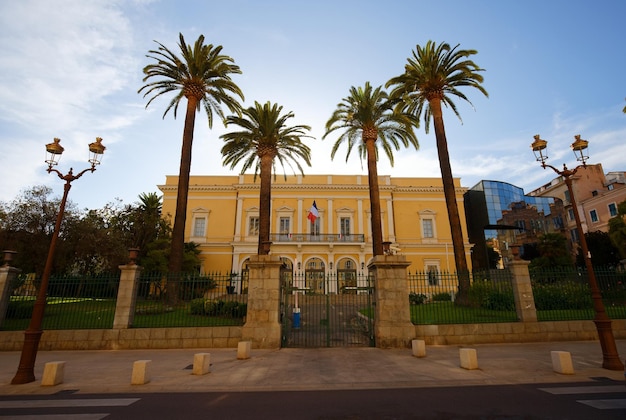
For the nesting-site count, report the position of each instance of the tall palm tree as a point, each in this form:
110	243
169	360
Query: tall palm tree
263	138
368	119
202	75
431	78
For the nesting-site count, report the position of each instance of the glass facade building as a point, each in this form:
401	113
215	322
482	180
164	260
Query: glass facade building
499	214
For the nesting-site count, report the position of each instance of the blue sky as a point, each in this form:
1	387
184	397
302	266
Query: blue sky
71	69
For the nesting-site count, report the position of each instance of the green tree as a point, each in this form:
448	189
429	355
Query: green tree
617	229
27	224
264	138
603	252
432	77
552	248
367	119
202	75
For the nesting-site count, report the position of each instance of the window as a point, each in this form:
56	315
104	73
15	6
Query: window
344	226
432	273
574	234
199	226
594	216
567	197
253	226
314	227
427	228
570	215
612	210
284	225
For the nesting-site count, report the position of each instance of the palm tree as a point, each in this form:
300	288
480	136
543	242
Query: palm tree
202	75
264	137
367	118
431	77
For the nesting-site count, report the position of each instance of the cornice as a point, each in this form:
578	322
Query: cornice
309	187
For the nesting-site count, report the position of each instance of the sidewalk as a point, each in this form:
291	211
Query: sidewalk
309	369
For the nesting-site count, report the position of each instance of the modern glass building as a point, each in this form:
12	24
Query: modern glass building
500	214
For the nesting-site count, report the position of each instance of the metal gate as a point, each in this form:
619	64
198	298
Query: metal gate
335	310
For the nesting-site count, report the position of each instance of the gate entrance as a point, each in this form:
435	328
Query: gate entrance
320	310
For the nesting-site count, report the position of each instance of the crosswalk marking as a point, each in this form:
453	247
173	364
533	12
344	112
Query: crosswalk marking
102	402
605	404
597	389
600	404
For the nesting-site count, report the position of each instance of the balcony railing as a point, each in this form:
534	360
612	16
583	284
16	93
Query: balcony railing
307	237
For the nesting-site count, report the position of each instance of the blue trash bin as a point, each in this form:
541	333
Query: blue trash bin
296	317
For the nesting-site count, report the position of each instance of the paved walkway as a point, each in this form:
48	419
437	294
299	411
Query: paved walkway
309	369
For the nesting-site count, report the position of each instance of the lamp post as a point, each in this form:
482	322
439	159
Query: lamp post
611	358
32	335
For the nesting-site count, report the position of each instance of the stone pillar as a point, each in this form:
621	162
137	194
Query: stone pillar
523	291
126	296
7	276
392	323
262	325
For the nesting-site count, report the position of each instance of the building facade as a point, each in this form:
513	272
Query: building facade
500	214
597	196
223	219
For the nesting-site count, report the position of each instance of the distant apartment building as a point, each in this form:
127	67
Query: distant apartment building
223	219
597	196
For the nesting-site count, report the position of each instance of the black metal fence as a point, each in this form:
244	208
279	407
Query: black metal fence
186	300
191	300
73	302
564	293
489	298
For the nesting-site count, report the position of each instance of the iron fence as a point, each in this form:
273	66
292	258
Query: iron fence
191	300
73	302
434	298
563	293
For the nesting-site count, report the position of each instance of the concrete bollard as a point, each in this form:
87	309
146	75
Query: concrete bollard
469	359
419	348
141	372
562	362
243	350
53	373
201	363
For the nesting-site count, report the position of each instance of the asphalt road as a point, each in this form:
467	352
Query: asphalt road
601	399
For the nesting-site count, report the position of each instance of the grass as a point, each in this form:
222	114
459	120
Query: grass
449	313
61	314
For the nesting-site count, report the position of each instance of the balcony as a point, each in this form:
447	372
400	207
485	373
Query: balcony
325	238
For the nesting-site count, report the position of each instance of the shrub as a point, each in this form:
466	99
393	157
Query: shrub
230	309
442	297
562	295
484	294
417	298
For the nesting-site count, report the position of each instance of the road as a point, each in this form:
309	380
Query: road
602	399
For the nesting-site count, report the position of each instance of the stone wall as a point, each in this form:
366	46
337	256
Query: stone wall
229	337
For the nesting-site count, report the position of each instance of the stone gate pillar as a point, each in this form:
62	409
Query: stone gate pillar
126	295
262	325
392	323
523	291
7	275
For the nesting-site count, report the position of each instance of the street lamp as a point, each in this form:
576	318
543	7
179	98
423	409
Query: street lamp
611	359
32	335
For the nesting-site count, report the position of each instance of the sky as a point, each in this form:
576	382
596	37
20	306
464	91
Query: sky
71	69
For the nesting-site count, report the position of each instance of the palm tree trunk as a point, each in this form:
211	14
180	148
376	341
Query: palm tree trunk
449	192
265	203
372	174
178	232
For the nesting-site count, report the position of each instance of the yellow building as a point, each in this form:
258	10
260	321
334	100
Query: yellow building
223	218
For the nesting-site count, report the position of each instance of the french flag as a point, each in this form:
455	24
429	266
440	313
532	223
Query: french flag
313	213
